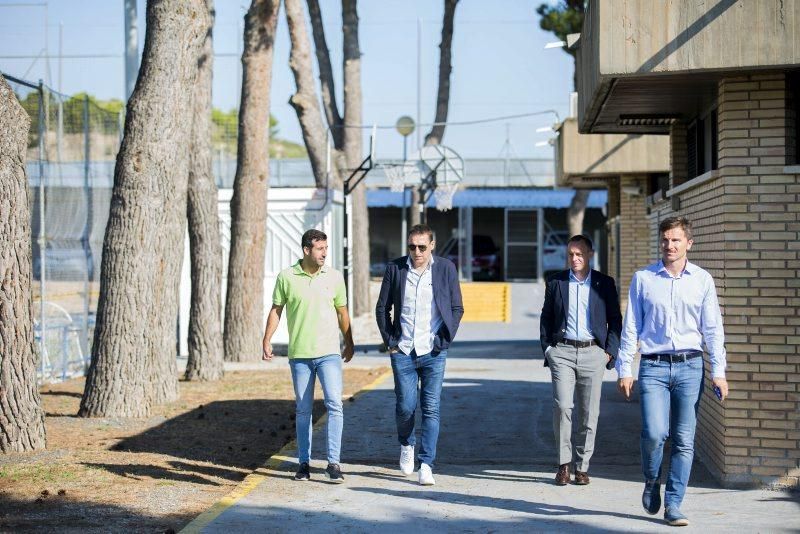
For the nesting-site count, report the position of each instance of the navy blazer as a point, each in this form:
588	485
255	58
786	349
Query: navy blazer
446	298
603	312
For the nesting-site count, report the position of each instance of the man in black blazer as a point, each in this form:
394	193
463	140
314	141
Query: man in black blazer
418	312
580	330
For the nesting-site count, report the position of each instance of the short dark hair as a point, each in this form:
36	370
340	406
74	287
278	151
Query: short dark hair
676	222
421	229
580	238
310	236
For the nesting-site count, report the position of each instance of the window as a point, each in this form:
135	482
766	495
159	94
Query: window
701	145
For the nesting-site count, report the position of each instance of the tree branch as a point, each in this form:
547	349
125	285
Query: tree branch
325	74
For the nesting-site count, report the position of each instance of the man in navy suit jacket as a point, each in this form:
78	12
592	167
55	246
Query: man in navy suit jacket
418	313
580	330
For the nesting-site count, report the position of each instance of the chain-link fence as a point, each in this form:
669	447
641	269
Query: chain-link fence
72	146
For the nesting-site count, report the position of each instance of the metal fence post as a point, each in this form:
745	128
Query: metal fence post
86	227
41	239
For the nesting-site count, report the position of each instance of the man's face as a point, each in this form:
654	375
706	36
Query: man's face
317	253
579	256
674	245
420	248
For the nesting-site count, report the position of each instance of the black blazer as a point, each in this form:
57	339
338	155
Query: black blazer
446	298
603	312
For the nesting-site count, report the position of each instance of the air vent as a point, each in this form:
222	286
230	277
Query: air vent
646	120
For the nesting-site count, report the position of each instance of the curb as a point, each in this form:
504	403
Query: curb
255	478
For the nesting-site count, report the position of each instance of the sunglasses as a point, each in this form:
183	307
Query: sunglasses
422	248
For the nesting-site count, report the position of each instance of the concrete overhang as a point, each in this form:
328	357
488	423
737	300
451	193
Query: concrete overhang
586	160
643	64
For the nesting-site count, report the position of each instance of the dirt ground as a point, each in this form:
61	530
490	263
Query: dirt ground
154	474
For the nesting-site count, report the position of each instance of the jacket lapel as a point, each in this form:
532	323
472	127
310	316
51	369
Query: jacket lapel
402	278
594	298
563	287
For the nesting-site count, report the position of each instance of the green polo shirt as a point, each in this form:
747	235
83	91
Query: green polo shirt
310	303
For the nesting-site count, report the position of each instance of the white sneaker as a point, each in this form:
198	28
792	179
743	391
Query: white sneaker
406	459
426	475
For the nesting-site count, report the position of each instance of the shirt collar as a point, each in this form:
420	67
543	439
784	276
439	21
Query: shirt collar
411	265
574	278
688	269
298	269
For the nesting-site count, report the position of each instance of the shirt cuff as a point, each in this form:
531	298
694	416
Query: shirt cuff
623	368
717	371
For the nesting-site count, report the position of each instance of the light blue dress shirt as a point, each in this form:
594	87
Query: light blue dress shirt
578	324
420	320
668	315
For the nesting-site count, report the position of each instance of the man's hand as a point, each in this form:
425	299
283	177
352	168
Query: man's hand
267	355
347	352
608	357
625	386
722	384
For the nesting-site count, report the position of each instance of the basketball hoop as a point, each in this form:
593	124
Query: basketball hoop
443	196
401	175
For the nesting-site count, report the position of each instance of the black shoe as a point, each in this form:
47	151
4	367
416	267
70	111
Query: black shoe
651	497
334	473
303	472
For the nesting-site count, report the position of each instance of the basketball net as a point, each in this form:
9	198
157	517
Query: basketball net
397	177
443	196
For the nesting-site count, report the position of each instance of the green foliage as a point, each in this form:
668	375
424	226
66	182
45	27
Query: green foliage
225	135
562	18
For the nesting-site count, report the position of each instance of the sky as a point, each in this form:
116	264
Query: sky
500	65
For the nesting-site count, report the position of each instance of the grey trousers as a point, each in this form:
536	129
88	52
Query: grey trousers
577	374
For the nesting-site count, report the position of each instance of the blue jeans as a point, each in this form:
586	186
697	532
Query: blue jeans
409	371
304	371
669	395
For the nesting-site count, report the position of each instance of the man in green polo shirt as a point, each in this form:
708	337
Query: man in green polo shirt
315	299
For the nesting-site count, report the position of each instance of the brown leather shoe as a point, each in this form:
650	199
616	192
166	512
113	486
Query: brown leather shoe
562	477
581	478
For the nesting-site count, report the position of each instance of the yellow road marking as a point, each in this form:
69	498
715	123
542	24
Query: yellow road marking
255	478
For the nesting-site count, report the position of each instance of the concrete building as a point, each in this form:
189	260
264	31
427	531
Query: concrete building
720	79
630	167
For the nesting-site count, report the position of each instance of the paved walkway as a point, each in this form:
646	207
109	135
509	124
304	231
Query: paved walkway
495	465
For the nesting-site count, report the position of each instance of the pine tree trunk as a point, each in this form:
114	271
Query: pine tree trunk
21	416
354	155
576	211
244	305
205	322
133	355
436	134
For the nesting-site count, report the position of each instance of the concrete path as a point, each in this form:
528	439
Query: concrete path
494	469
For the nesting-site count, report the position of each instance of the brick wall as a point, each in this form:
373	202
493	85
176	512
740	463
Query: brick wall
747	235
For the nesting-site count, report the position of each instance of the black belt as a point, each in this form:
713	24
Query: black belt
673	357
579	344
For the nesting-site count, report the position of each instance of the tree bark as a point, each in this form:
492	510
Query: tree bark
205	323
133	363
577	208
305	101
21	416
436	134
244	305
354	155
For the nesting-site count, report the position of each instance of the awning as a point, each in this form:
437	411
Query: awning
494	198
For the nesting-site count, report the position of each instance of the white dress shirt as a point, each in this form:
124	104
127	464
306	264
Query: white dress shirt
419	318
668	315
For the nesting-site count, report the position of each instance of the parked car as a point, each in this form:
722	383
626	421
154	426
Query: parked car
486	261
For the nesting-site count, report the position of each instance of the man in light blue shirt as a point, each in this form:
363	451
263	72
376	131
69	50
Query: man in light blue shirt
673	314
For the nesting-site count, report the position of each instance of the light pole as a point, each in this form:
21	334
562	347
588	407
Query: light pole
405	126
